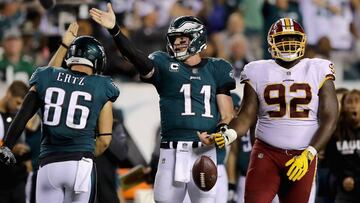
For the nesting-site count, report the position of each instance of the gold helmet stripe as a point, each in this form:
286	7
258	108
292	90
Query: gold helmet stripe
288	24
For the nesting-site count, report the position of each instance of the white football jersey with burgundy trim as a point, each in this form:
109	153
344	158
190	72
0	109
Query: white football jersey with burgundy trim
288	99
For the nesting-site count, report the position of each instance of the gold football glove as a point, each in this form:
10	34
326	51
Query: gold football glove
219	139
300	164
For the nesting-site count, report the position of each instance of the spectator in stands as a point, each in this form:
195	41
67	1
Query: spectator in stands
13	178
323	48
344	150
149	37
325	179
235	26
254	21
238	54
13	64
11	15
273	10
340	93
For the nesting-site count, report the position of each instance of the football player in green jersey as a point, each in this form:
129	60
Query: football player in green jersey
194	99
74	103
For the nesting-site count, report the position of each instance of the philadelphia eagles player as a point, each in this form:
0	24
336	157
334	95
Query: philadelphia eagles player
194	98
73	103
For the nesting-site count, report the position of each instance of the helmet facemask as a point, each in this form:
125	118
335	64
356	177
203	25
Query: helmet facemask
190	28
290	49
286	39
180	50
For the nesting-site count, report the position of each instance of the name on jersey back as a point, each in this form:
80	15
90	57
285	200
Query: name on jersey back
64	77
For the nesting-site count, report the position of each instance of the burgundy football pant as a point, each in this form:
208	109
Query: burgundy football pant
266	176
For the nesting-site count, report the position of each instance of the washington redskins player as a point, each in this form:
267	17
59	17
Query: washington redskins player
293	98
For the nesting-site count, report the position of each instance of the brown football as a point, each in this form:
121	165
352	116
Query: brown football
204	173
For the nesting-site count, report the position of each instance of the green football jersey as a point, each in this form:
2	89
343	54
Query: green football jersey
72	102
188	95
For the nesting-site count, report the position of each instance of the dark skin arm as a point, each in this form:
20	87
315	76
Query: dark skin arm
246	117
327	114
248	113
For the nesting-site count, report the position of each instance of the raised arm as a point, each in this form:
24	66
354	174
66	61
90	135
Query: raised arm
107	19
70	34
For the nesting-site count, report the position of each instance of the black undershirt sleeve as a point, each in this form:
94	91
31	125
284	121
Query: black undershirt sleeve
29	107
141	62
225	89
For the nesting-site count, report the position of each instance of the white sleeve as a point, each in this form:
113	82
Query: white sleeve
247	76
326	71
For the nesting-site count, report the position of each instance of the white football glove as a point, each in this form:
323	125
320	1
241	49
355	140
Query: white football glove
225	136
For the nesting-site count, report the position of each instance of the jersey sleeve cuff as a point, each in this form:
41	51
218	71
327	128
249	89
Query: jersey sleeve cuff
115	30
327	77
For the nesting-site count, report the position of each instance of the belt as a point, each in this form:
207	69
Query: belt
173	144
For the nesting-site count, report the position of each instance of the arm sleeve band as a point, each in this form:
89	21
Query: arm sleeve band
225	89
142	63
29	107
104	134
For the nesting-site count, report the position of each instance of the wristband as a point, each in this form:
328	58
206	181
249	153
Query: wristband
222	127
115	30
103	134
312	150
232	186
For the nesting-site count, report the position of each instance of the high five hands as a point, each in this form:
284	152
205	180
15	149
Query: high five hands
106	19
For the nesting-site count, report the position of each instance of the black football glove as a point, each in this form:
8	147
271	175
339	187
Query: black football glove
6	156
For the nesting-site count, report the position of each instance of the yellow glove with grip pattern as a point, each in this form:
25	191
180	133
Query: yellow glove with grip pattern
225	136
299	164
219	140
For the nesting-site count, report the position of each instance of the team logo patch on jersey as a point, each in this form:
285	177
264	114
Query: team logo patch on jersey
195	78
231	73
113	84
174	67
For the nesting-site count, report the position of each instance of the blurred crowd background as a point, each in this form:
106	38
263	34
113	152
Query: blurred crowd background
237	30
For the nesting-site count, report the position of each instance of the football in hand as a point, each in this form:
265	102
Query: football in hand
204	173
